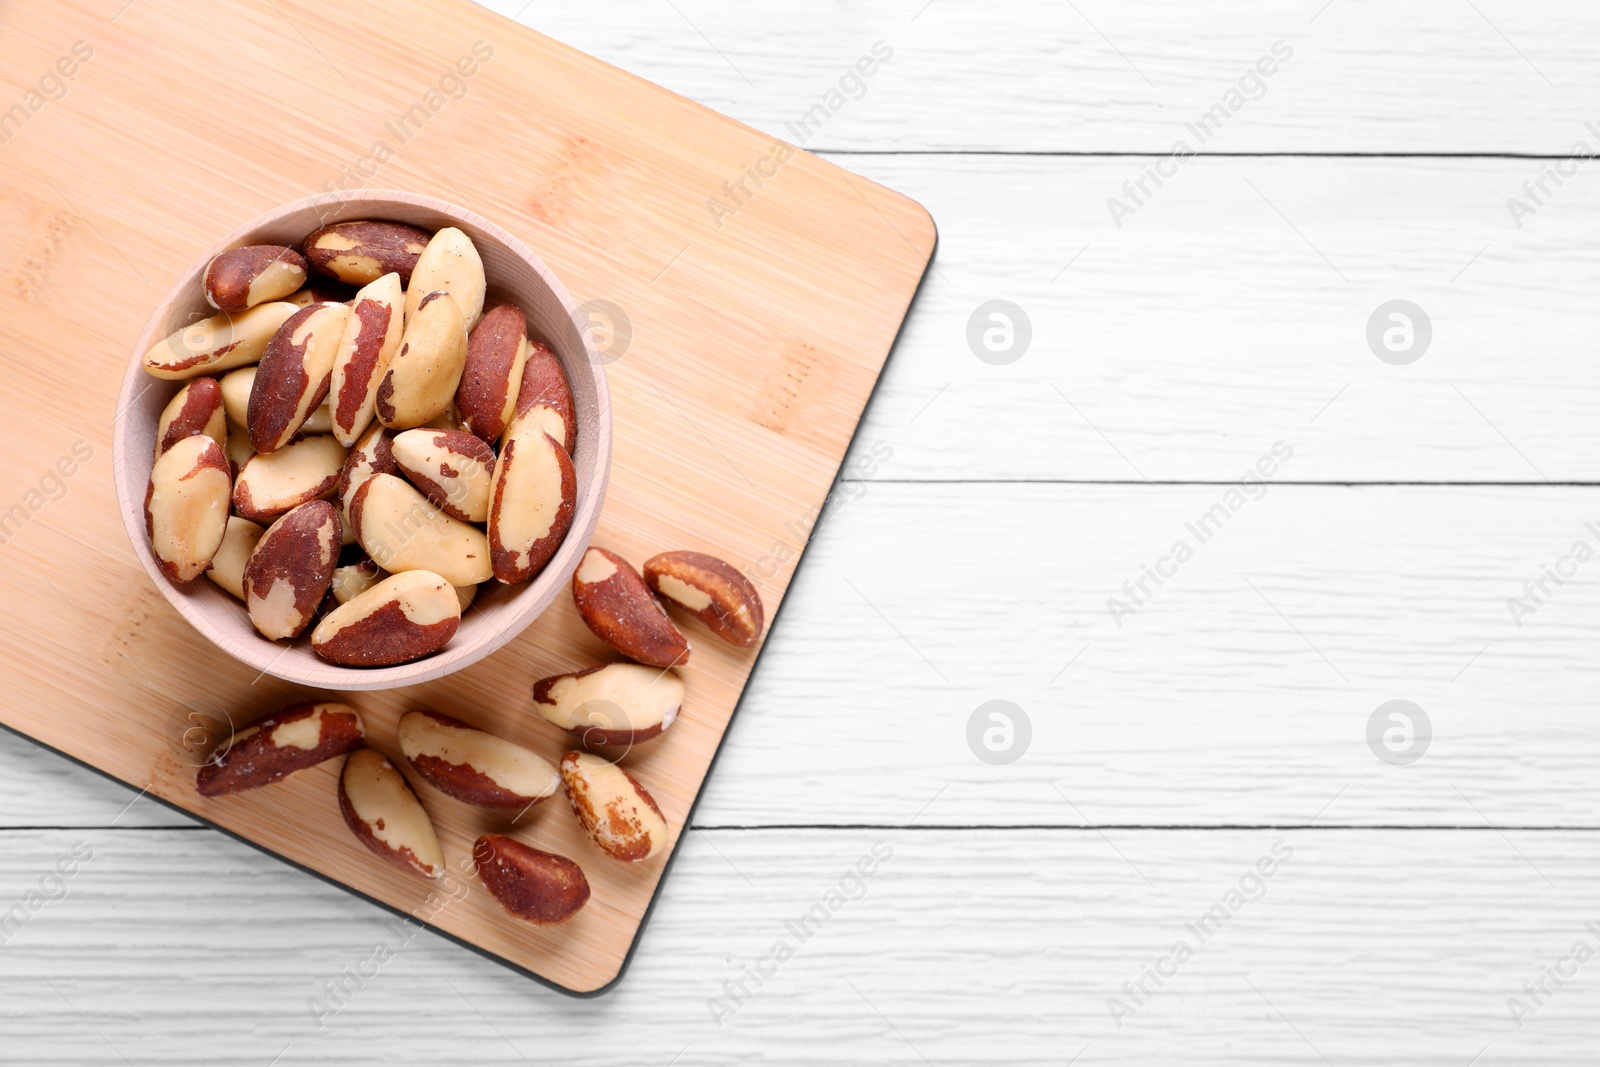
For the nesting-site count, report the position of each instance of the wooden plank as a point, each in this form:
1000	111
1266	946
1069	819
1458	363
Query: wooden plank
1183	344
1205	707
734	352
957	945
1433	76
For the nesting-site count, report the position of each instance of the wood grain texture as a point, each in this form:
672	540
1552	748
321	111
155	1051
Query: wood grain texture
1035	76
733	350
959	948
1181	345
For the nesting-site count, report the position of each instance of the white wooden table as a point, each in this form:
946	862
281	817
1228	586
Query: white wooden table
1030	912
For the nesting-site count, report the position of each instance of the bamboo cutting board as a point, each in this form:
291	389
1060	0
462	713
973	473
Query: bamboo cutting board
750	338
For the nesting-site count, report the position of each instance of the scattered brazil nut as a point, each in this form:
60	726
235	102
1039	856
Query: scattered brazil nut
713	591
451	263
619	814
272	748
617	605
452	468
544	398
186	507
614	704
402	531
194	409
269	485
385	815
422	377
238	541
473	766
292	379
241	278
287	574
370	341
497	349
404	617
538	887
531	502
222	342
360	252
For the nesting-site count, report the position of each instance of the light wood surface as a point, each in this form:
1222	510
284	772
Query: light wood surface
753	349
999	937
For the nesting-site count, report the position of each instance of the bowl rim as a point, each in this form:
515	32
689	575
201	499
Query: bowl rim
260	653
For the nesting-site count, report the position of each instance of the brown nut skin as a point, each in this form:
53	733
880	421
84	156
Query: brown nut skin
531	503
613	704
617	605
383	811
292	380
184	517
269	486
222	342
711	590
359	252
545	398
287	575
370	341
538	887
452	468
497	349
472	765
620	815
402	618
241	278
272	748
194	409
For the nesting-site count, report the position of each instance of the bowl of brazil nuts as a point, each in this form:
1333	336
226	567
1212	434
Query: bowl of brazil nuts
364	442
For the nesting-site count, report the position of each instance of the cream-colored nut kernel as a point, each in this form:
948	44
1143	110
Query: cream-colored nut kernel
621	816
236	386
451	467
186	507
473	766
269	485
422	378
402	531
531	502
238	541
497	350
241	278
319	421
360	252
384	813
617	605
544	399
450	262
196	408
448	419
404	617
272	748
466	594
353	579
288	572
292	379
377	320
220	343
239	450
617	704
712	590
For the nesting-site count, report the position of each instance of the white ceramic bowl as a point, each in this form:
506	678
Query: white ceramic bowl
500	612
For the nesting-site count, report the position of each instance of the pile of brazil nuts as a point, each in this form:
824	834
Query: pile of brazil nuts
362	458
617	704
